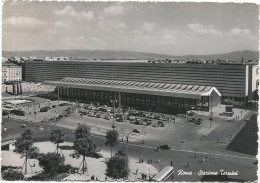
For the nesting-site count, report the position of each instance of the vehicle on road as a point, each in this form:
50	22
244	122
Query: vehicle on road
135	131
64	104
44	109
191	113
247	120
165	147
197	122
5	112
18	112
192	120
161	124
107	117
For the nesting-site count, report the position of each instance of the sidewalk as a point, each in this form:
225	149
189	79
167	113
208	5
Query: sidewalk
217	110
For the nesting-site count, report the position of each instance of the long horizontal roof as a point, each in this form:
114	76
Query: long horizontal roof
149	88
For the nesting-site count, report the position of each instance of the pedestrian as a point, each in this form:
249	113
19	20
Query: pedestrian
188	165
203	160
195	156
159	160
218	140
171	163
136	172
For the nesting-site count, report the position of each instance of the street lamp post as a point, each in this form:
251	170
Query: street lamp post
114	103
58	95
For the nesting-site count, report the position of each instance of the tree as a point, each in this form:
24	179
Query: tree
57	136
53	164
11	174
83	145
117	166
112	139
24	146
82	131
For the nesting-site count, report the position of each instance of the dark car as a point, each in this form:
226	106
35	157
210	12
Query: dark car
59	117
191	113
165	147
135	131
192	120
64	104
68	109
54	106
5	112
18	112
44	109
197	122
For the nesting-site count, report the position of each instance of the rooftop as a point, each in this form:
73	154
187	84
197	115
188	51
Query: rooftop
149	88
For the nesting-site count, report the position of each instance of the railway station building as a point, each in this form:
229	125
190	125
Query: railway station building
150	96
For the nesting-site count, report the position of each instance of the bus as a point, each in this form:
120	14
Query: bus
165	174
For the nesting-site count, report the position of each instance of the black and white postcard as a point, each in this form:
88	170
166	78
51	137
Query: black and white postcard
129	91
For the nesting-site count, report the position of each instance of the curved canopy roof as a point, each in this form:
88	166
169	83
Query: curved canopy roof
161	89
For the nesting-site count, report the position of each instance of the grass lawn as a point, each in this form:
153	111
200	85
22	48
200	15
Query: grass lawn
246	140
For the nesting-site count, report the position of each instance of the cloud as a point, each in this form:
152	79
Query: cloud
202	29
239	32
59	24
114	10
148	26
70	11
24	22
110	25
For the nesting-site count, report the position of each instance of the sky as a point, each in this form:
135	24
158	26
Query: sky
165	28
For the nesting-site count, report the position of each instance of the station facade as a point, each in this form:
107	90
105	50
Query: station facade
149	96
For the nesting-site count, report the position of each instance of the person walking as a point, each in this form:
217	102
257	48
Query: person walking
203	159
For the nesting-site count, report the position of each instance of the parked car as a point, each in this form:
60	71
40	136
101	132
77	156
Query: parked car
197	122
64	104
154	126
135	131
98	115
165	147
44	109
192	120
5	112
191	113
18	112
23	125
161	124
107	117
59	117
68	109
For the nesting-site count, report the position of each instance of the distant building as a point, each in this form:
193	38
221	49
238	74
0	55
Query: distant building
235	82
11	72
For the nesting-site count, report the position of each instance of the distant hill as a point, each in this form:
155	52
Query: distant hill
106	54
